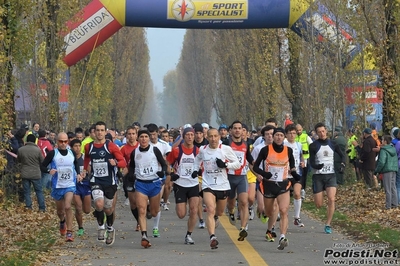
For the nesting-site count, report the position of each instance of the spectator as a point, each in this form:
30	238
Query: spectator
30	158
45	146
388	166
396	134
288	121
340	141
367	157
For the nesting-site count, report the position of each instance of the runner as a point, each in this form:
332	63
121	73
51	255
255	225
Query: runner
238	179
103	156
291	133
200	140
129	188
166	185
186	188
215	184
65	172
322	160
278	162
144	164
82	195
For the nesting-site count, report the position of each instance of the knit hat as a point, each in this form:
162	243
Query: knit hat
367	131
205	125
187	130
223	126
198	127
278	129
396	132
143	131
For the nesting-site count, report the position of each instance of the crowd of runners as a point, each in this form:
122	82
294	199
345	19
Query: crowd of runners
229	170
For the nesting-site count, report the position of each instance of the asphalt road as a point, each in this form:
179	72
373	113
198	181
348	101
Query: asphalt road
306	244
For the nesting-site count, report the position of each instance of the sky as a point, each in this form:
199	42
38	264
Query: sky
165	48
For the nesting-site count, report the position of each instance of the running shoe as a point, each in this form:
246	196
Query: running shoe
137	228
264	218
232	219
242	234
283	242
216	221
251	213
269	237
69	237
303	194
101	231
273	233
202	224
110	237
278	218
328	229
238	215
63	228
81	231
165	207
189	240
127	203
156	233
297	221
214	242
145	242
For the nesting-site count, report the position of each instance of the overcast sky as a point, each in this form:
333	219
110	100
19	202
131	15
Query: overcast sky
165	48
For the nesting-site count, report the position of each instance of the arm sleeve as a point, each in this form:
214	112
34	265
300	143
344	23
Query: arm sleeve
47	161
76	164
197	160
233	161
291	159
339	151
309	140
261	158
132	162
381	161
121	163
160	159
313	152
172	156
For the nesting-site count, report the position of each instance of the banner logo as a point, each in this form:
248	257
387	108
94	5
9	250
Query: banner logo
185	10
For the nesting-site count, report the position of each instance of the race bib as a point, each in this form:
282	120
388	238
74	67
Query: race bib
100	169
240	155
65	177
327	169
186	169
277	173
147	169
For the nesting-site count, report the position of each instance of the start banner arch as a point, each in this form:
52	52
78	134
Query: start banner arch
99	20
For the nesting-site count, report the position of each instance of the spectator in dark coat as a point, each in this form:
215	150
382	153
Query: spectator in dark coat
341	142
30	159
367	157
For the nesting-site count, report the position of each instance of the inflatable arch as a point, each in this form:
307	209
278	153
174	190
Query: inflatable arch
102	18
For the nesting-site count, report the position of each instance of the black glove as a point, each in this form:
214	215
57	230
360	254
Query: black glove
319	166
341	168
195	174
220	163
120	176
161	174
295	175
131	177
266	175
174	177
